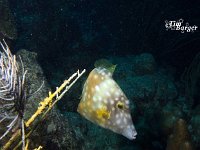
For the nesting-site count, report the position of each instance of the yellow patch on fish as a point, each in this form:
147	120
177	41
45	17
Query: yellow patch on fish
104	103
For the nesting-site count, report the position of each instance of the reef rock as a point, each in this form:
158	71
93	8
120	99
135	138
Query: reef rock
138	77
194	127
7	24
144	64
180	138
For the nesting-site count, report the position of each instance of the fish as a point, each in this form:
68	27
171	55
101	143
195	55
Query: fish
104	103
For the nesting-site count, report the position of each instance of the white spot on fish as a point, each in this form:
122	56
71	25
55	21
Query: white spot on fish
112	90
121	115
109	74
125	120
126	115
105	101
94	98
105	85
118	121
108	94
100	106
111	102
117	115
109	82
103	73
97	88
99	98
95	76
127	102
117	93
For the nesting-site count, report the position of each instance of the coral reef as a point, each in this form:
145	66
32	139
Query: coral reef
50	134
180	138
144	64
194	126
141	80
169	115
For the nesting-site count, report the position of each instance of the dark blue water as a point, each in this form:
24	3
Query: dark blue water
68	35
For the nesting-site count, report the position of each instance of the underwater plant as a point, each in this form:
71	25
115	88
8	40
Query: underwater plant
12	92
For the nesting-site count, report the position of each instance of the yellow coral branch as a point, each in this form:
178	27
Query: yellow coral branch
27	144
49	102
39	148
12	139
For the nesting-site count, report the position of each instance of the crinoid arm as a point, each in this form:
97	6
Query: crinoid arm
12	92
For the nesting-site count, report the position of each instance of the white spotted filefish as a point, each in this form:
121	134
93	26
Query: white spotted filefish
104	103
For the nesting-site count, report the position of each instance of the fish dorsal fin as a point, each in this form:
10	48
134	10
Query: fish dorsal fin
104	63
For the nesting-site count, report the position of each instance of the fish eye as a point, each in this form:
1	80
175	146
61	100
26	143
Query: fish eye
120	105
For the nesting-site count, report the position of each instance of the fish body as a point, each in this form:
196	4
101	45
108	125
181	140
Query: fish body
104	103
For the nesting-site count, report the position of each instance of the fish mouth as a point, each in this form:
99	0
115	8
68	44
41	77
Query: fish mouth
134	135
129	133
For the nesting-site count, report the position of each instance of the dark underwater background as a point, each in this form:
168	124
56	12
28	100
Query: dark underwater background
158	69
